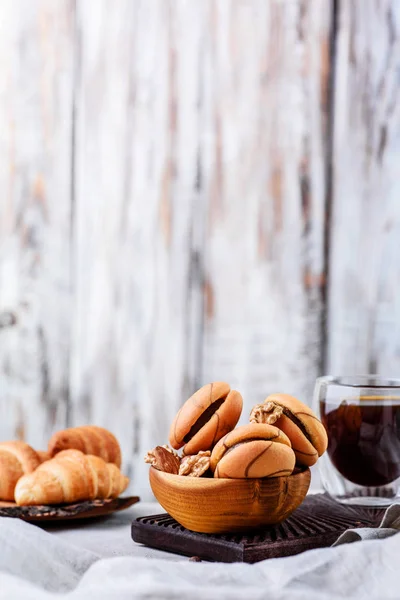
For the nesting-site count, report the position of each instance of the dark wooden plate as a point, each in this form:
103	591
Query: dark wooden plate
66	512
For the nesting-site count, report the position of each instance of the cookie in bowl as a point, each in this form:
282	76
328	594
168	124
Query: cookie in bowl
226	479
252	451
205	418
306	432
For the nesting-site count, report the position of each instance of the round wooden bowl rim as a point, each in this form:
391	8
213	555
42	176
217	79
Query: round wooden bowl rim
205	504
214	482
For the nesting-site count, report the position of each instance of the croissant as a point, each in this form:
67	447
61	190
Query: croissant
89	439
16	459
43	455
69	477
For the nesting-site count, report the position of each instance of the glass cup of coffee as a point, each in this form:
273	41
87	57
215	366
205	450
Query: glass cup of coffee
362	417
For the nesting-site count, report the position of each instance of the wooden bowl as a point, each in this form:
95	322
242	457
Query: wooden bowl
210	505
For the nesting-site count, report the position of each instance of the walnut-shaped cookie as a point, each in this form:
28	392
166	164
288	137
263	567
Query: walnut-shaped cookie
205	418
306	432
252	451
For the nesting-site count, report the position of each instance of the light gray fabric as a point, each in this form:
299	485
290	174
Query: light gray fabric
389	526
27	551
35	564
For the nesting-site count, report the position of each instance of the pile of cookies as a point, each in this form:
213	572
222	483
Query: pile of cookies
282	434
81	463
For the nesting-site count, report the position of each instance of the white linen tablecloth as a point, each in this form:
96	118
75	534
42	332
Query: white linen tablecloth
101	561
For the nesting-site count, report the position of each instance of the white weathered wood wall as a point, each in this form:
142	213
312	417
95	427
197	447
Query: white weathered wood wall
170	215
364	271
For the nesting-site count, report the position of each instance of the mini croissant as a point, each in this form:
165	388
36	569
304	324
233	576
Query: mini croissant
43	455
16	459
70	476
89	439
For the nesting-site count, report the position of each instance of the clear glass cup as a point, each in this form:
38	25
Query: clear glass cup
362	417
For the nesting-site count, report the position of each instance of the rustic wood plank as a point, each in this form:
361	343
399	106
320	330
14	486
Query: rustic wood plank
197	195
266	105
138	301
364	303
36	81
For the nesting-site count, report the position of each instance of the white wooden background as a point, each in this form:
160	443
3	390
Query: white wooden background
192	190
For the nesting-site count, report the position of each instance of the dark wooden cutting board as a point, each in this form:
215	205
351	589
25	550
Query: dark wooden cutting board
317	523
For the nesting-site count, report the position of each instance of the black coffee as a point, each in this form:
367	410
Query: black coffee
364	439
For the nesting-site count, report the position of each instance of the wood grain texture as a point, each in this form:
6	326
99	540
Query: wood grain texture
162	219
267	67
36	65
317	523
163	186
364	303
89	509
209	505
137	305
199	192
